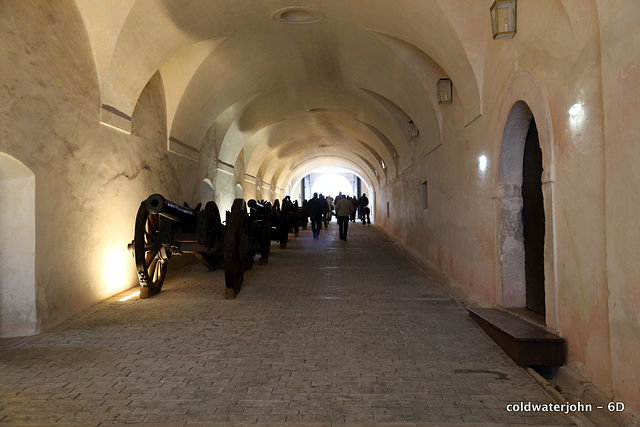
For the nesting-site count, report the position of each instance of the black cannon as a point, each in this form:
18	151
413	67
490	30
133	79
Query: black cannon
164	228
238	248
260	223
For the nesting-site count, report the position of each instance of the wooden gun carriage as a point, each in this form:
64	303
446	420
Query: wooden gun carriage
287	219
163	229
260	227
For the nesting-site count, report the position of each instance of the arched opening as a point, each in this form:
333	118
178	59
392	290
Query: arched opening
533	221
522	213
17	249
332	184
206	191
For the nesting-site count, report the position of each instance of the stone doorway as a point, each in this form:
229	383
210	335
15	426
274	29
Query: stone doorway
522	213
533	221
17	249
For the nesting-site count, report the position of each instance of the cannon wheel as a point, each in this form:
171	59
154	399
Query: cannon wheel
151	257
212	258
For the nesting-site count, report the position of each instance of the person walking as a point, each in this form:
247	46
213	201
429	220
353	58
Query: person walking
316	213
344	207
354	202
327	217
364	210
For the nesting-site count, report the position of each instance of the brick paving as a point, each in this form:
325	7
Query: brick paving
329	332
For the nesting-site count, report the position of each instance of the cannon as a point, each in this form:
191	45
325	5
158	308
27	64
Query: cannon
287	219
260	223
164	229
238	248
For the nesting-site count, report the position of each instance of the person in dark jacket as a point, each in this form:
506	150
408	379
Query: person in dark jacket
317	210
354	202
363	202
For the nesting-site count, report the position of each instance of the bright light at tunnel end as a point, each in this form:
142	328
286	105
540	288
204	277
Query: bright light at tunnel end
331	184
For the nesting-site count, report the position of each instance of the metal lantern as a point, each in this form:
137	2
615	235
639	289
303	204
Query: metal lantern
503	19
445	91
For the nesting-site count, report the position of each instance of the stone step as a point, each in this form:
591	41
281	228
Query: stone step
527	344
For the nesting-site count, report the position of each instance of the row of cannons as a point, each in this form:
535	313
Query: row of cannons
164	229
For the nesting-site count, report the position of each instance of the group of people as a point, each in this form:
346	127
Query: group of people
321	209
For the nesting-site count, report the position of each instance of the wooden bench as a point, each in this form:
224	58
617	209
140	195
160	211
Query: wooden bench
527	344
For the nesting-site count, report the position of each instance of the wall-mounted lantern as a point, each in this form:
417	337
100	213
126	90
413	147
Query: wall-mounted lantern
445	91
503	19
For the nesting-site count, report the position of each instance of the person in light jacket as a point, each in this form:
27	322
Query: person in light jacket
344	207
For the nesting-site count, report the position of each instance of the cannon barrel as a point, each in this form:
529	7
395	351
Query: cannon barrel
157	204
255	205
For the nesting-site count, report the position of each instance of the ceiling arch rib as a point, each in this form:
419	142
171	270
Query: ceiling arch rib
289	173
164	28
333	106
388	145
427	33
103	23
401	117
290	151
178	71
237	58
230	74
335	129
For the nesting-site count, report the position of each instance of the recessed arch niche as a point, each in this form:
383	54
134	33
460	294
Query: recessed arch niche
525	216
17	249
206	191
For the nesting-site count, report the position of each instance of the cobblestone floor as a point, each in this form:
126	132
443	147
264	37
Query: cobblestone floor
329	332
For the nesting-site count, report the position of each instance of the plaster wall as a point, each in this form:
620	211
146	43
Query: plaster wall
17	250
459	234
620	38
90	178
225	186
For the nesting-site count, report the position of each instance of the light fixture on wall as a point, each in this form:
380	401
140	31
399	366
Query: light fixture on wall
445	91
482	163
575	109
503	19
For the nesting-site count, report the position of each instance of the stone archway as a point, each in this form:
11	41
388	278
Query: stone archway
206	191
523	100
521	213
17	249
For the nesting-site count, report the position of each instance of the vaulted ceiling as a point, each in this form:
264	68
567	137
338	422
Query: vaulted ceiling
293	86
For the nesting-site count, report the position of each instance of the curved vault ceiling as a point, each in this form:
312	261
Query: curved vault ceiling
292	86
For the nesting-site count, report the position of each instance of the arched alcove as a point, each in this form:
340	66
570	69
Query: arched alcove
206	191
17	249
522	212
523	101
